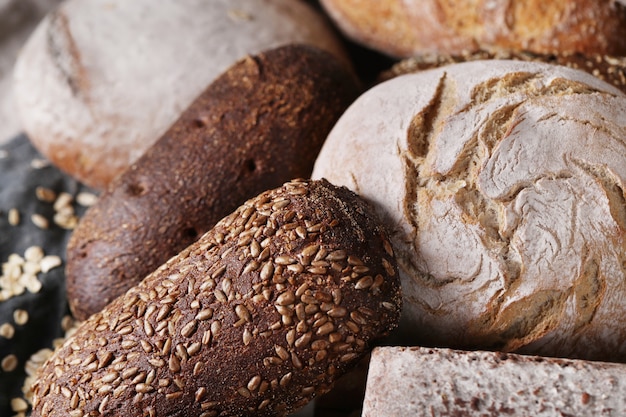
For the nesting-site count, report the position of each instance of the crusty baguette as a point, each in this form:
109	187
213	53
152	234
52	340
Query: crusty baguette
258	125
403	28
257	317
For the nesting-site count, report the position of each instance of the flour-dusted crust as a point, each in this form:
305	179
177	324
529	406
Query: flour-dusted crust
404	28
100	81
256	318
503	182
259	124
443	382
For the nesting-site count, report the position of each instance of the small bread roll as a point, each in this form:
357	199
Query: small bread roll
260	315
100	81
503	183
403	28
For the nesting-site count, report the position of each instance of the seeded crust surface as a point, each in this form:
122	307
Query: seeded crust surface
256	318
260	124
611	69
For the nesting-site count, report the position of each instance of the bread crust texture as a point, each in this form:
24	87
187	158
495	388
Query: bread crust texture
502	182
259	124
256	318
99	81
402	28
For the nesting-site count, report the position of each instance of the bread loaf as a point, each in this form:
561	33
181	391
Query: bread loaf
607	68
258	125
442	382
257	317
502	182
410	27
100	81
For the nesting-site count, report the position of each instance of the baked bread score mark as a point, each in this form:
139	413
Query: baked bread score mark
525	223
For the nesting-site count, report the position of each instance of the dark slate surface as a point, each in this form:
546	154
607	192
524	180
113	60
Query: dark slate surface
18	181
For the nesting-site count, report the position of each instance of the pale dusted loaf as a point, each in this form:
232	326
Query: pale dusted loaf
503	183
443	382
256	318
404	28
101	80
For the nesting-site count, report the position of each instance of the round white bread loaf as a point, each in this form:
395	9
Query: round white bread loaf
100	80
503	182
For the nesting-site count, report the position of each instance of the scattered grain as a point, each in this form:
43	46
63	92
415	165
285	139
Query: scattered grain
9	363
20	317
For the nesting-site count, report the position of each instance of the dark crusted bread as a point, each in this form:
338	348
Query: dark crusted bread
260	124
257	317
608	68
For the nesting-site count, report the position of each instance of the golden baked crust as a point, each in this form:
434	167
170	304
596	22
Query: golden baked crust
405	28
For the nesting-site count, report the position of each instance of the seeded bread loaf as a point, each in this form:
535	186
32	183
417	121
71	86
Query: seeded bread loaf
442	382
403	28
607	68
33	237
502	183
100	81
258	125
257	317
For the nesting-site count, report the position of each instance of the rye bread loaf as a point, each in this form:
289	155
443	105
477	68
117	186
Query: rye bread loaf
258	125
403	28
257	317
611	69
442	382
502	182
100	81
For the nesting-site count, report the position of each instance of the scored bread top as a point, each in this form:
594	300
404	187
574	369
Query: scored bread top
503	184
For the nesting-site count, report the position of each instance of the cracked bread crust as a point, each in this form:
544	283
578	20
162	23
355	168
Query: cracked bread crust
503	183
